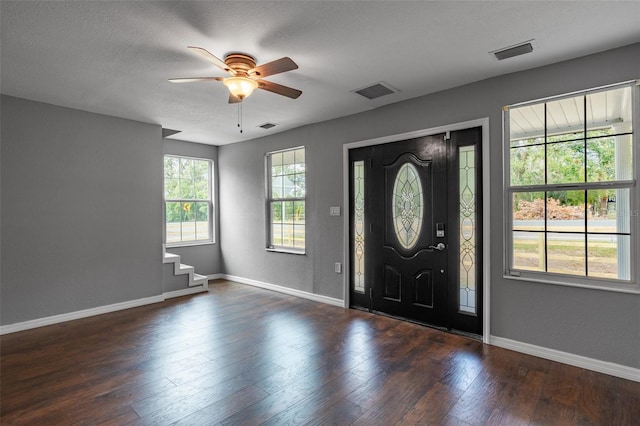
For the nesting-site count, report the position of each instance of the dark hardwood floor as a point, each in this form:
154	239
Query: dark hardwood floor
246	356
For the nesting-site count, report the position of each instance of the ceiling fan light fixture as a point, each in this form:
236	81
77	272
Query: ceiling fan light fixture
245	75
240	87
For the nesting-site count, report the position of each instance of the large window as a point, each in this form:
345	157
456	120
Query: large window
571	192
286	200
187	200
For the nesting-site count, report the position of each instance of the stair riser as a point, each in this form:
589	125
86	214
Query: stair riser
182	269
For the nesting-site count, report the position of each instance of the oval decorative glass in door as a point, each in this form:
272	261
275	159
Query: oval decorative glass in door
408	206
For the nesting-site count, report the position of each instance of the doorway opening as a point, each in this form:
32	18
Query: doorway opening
415	228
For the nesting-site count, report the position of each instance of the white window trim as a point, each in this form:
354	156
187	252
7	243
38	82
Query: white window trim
270	247
209	241
631	286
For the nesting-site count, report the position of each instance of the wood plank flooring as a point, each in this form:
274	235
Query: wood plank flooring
239	355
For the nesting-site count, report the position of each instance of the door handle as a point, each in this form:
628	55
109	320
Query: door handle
439	247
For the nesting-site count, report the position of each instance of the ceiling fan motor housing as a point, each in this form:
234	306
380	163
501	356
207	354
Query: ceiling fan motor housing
240	62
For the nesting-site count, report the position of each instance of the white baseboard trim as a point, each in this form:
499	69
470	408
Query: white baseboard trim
41	322
286	290
599	366
55	319
605	367
184	292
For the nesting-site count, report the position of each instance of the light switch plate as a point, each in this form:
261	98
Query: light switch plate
334	211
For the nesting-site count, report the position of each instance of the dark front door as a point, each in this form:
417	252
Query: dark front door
405	216
408	198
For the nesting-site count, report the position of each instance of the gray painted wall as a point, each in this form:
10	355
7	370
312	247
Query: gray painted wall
597	324
81	210
204	258
171	282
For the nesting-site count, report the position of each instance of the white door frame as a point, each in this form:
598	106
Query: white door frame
486	204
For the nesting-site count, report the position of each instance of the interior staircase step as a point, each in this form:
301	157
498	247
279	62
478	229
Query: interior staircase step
199	279
183	269
170	258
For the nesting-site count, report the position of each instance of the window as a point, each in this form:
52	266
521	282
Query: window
187	200
286	200
407	206
467	202
358	232
570	188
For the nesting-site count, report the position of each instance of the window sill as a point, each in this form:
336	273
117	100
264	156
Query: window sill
190	244
594	285
286	251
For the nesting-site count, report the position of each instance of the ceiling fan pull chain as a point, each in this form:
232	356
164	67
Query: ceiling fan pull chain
240	116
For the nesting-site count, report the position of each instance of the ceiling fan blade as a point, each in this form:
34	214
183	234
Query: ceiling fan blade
274	67
234	99
193	79
212	58
279	89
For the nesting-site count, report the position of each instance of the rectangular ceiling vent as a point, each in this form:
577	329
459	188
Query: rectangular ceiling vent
375	90
267	126
511	51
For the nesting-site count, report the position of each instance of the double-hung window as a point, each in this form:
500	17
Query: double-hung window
187	200
286	193
571	194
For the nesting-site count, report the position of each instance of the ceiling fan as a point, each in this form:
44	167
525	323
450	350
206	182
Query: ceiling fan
245	75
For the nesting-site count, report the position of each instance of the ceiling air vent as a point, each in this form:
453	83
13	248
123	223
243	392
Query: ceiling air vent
511	51
267	126
375	90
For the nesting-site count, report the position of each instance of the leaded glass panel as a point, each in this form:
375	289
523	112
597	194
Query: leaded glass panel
408	206
358	226
467	173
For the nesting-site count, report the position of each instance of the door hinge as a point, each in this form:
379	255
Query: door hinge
447	135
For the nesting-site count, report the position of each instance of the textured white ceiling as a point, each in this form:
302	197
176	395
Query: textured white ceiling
114	57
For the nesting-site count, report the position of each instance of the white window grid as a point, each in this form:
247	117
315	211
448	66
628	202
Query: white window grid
208	201
630	285
272	245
